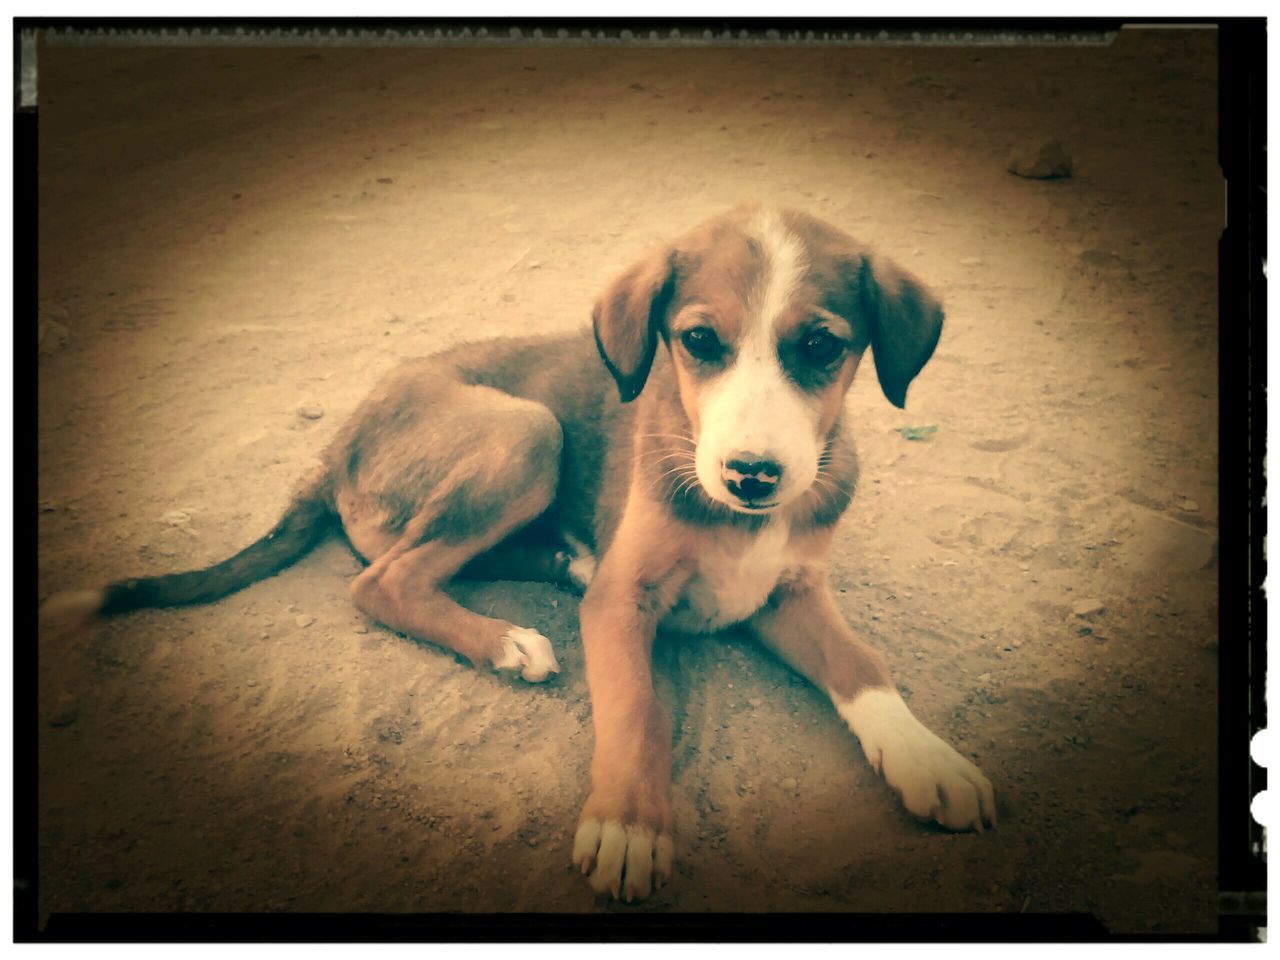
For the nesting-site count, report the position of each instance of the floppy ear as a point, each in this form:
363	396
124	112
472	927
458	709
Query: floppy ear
627	318
906	322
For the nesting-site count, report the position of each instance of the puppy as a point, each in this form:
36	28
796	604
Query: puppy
708	486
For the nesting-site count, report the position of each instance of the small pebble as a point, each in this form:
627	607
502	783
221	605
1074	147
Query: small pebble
789	783
310	410
755	701
1188	505
362	629
304	620
66	712
1088	608
971	262
1040	160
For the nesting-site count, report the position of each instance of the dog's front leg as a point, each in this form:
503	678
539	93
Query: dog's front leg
802	624
624	833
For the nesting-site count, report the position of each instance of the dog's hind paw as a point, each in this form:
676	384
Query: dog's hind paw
579	563
527	651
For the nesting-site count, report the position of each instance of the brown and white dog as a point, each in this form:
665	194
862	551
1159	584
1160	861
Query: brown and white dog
709	494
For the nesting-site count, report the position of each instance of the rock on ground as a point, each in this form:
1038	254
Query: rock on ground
1040	160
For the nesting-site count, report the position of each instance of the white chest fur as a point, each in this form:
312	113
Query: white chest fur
735	575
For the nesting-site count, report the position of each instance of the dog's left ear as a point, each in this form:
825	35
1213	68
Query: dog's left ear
906	322
627	319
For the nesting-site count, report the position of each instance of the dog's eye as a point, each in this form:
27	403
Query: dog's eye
702	342
821	346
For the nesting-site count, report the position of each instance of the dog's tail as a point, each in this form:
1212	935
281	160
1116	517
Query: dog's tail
305	523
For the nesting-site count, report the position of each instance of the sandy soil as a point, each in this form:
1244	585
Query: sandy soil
225	234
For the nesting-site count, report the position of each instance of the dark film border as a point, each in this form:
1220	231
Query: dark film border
381	31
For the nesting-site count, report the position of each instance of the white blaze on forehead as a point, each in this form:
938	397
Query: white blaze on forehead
784	265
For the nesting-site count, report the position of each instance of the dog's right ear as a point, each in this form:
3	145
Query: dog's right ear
627	319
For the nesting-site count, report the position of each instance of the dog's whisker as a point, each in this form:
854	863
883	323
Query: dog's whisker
685	485
680	492
669	494
678	473
831	486
673	478
667	454
680	469
824	476
679	462
675	473
831	476
670	436
671	456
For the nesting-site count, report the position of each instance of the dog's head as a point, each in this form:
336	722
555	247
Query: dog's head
765	316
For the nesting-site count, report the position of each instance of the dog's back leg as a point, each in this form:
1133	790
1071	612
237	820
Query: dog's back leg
537	555
520	558
501	474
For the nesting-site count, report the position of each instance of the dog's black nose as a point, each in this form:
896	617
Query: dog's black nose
750	476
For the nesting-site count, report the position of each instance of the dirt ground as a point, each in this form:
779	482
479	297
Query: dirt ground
226	234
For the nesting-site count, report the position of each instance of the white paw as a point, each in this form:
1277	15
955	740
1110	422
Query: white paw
582	563
529	652
630	861
934	781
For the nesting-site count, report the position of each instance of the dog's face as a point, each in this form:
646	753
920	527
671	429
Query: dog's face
765	316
